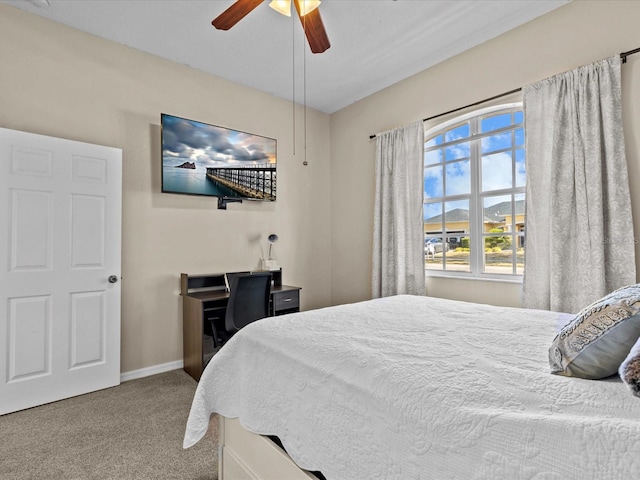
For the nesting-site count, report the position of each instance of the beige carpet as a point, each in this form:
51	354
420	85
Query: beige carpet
133	431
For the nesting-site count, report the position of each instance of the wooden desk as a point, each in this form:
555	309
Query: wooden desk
204	300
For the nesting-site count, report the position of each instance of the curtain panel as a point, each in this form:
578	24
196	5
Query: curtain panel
398	240
579	234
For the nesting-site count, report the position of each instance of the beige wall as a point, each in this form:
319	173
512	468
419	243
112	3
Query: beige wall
58	81
576	34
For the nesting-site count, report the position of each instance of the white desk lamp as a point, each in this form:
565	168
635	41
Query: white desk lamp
270	264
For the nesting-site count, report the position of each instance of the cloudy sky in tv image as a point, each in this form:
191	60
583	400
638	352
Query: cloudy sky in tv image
211	146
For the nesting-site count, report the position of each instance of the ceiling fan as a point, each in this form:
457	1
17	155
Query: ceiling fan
307	12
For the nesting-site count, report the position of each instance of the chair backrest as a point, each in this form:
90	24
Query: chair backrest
248	300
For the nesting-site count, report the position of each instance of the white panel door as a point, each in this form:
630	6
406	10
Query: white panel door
60	235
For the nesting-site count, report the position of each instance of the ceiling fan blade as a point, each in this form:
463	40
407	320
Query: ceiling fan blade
314	29
234	14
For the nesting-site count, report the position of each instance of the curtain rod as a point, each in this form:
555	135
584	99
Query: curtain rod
623	57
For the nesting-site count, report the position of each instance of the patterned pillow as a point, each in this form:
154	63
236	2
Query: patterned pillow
597	340
630	369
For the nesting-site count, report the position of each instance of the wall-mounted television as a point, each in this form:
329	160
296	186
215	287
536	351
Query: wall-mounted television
203	159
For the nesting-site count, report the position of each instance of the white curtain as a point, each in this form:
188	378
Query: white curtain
398	250
579	231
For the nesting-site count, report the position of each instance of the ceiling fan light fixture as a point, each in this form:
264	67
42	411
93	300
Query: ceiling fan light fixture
284	6
308	6
281	6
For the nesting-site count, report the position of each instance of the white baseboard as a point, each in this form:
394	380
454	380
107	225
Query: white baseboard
153	370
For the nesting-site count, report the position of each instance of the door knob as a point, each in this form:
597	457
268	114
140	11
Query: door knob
113	279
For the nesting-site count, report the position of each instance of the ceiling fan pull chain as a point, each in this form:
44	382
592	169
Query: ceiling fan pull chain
293	67
304	86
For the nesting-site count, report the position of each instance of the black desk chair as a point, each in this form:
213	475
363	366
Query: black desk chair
248	302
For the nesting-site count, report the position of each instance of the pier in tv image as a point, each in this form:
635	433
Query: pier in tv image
203	159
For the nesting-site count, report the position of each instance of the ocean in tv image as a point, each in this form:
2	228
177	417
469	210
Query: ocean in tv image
203	159
181	180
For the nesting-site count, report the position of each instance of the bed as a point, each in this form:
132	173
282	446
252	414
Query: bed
410	387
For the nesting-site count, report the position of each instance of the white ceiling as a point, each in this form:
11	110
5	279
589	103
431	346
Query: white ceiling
374	43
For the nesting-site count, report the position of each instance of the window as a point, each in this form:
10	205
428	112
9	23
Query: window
474	192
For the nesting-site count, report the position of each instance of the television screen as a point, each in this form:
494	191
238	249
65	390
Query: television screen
203	159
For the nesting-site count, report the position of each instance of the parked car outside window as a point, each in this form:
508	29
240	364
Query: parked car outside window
435	245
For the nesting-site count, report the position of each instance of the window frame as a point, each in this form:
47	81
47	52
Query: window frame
476	195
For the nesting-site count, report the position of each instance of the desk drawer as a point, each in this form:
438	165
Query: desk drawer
286	300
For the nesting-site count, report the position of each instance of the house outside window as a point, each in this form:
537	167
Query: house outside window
474	194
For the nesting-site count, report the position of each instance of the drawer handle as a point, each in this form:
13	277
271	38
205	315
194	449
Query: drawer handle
287	299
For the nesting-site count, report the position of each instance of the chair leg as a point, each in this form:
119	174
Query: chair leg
216	338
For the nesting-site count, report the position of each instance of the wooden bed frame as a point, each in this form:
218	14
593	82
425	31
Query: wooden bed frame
243	455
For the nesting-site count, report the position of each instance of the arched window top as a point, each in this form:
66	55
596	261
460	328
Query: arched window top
460	119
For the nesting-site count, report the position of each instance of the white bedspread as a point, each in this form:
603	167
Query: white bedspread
420	388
